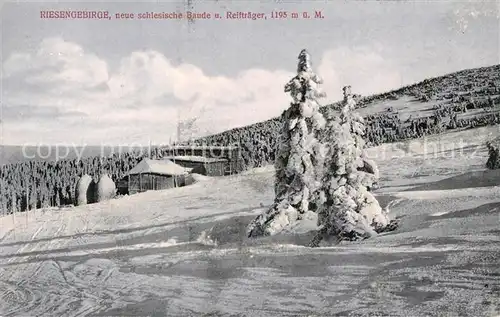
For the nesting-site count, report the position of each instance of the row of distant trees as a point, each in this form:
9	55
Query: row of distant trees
36	184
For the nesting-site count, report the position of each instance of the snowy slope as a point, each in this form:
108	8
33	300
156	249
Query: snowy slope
183	252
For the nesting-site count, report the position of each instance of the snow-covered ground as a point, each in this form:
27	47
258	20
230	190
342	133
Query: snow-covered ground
183	252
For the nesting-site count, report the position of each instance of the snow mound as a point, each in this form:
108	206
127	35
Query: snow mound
308	223
259	170
205	239
199	177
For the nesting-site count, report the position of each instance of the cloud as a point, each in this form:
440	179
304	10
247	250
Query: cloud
365	69
469	11
23	112
58	63
149	78
141	100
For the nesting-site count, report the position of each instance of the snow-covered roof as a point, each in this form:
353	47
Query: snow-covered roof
192	158
197	147
162	167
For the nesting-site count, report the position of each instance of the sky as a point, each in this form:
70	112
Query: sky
119	82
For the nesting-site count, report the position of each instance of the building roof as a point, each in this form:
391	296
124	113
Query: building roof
198	159
162	167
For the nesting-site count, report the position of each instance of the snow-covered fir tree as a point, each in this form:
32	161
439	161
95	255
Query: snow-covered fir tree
348	210
300	155
493	161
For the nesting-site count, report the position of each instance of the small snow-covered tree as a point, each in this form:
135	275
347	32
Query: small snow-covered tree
493	161
348	210
299	158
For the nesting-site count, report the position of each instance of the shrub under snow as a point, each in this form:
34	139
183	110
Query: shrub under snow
493	154
82	192
105	188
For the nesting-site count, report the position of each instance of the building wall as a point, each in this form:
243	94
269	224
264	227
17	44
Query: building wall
190	164
205	168
122	186
233	156
216	168
143	182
